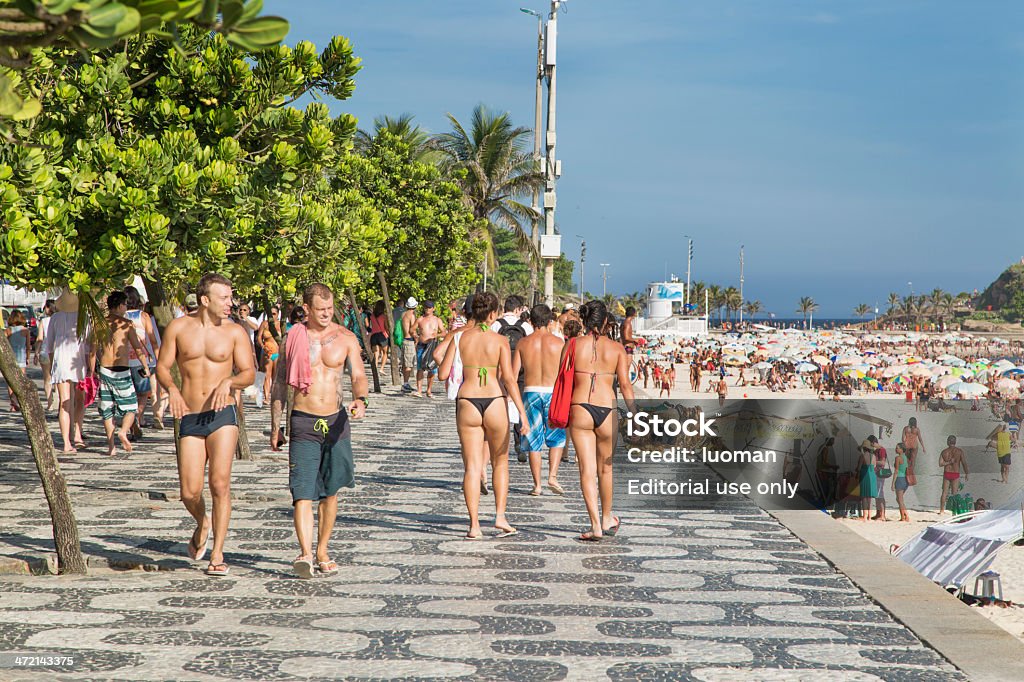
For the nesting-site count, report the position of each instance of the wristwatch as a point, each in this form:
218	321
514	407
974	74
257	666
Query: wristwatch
366	403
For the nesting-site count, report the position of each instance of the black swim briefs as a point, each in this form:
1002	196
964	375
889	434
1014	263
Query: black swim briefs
202	424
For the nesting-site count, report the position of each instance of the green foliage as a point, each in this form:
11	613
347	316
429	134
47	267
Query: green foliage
26	25
495	170
564	275
152	162
1014	311
428	253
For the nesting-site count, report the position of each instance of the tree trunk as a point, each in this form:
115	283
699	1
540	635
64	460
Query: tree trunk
62	514
242	449
365	336
396	373
161	306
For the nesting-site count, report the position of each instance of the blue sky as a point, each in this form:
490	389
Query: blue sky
851	146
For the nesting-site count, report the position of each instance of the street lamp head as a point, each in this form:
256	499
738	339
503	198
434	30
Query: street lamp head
531	12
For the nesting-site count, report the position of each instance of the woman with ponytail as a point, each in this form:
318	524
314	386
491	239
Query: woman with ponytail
480	413
593	422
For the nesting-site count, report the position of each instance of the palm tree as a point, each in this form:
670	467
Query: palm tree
731	300
752	308
495	168
862	310
948	305
909	308
894	301
635	299
697	295
418	140
806	306
713	293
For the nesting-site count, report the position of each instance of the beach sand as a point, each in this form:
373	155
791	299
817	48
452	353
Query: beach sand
1009	564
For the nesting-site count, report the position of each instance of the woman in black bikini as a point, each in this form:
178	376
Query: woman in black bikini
593	423
480	411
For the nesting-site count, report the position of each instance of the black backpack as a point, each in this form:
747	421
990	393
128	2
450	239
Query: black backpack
513	332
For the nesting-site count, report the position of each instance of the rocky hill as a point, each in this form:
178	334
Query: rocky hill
1006	294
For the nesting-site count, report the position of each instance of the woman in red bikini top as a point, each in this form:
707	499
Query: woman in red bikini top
592	424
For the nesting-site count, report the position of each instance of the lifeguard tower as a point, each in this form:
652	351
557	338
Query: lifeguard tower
660	316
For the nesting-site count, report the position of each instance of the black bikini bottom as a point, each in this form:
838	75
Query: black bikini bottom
481	404
597	413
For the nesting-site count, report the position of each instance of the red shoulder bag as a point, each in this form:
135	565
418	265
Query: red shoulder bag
561	395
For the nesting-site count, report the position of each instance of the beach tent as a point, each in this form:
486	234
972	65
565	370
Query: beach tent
952	552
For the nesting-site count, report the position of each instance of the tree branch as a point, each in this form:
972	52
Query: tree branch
15	62
21	26
142	81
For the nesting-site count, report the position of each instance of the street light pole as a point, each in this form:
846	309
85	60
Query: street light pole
583	256
537	123
741	284
550	160
604	277
689	258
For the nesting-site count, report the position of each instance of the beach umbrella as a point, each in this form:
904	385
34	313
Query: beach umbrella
734	360
820	359
963	388
920	371
946	381
1007	386
763	365
855	373
805	367
1003	365
1016	371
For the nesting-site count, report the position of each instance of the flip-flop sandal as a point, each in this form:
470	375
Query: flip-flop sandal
614	529
473	537
217	570
195	552
303	568
331	569
506	532
535	492
590	537
556	488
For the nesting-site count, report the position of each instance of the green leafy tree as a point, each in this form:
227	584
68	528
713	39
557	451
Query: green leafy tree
862	310
564	269
429	253
753	308
97	24
153	162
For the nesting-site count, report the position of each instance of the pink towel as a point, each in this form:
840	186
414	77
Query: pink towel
296	351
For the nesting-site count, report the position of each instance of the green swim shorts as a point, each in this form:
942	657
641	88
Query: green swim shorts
319	455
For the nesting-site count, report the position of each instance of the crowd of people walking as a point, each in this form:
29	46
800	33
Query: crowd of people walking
499	362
